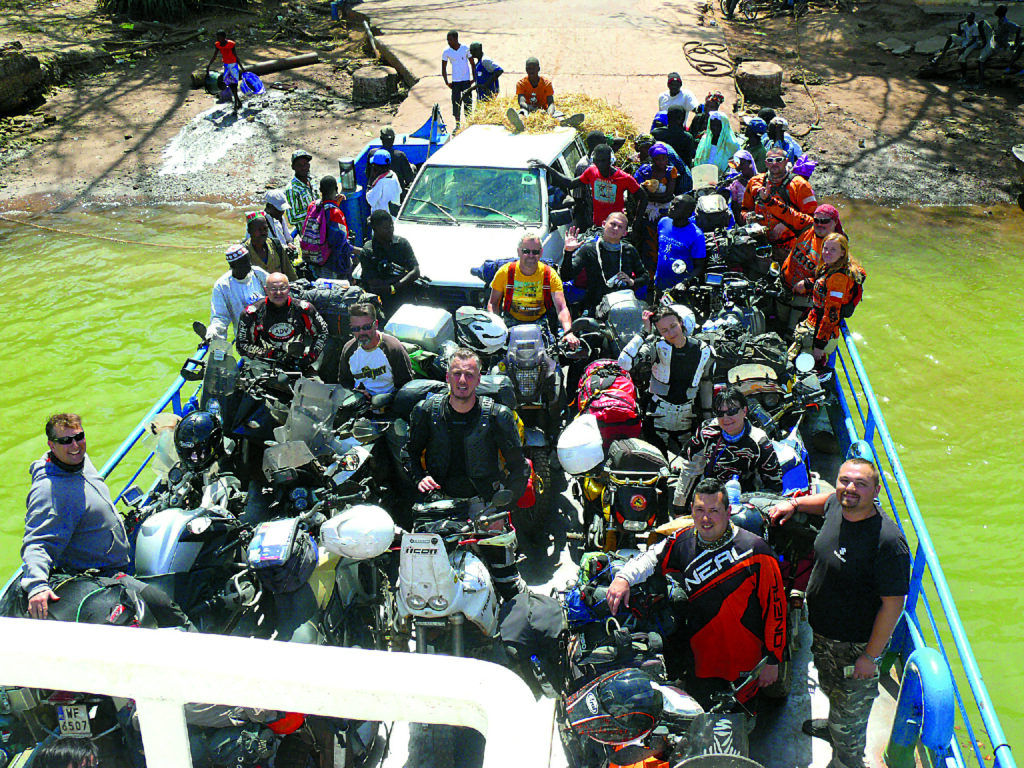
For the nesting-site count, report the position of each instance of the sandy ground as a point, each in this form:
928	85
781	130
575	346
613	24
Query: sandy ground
135	131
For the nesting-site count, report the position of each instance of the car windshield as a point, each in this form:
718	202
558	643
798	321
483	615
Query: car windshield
498	196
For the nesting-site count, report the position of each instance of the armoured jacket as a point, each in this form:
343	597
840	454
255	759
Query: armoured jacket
265	331
697	358
428	451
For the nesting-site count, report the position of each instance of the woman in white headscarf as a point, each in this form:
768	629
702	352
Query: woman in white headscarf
717	145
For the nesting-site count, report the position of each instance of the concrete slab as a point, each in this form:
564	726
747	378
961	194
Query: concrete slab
902	50
620	50
889	43
930	45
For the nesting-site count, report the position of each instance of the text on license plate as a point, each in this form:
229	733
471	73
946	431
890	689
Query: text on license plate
74	720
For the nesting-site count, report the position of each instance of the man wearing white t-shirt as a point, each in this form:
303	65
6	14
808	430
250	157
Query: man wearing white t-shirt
676	96
371	361
235	290
463	75
384	192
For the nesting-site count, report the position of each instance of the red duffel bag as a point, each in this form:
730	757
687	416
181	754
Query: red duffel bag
607	391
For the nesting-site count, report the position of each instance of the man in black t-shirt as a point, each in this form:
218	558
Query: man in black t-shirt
390	268
855	597
676	136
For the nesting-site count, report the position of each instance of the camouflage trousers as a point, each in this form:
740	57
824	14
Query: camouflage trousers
849	700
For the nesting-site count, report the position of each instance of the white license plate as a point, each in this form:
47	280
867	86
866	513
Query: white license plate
74	720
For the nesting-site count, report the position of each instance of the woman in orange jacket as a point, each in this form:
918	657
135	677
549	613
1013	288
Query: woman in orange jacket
838	287
799	267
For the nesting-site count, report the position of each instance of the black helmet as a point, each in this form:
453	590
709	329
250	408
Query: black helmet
199	440
616	708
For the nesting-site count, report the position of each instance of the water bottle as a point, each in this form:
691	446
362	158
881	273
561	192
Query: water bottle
733	489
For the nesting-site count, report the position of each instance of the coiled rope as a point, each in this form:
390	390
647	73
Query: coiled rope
94	236
710	59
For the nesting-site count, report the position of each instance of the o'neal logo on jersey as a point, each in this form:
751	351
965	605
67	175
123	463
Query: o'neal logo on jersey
714	565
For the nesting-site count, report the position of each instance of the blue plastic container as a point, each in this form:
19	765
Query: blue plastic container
353	207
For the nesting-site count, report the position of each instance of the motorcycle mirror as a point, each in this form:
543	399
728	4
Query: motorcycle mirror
200	329
501	498
804	362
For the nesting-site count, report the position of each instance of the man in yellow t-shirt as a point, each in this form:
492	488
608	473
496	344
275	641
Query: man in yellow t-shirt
535	287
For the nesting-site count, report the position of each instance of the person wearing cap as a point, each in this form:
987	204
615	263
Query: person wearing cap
778	136
800	267
743	163
699	124
299	192
675	134
242	285
679	240
487	73
390	268
274	214
659	178
338	259
265	252
400	164
677	96
783	200
463	75
754	129
383	191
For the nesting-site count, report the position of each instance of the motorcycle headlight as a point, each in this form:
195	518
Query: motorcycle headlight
416	602
438	603
634	525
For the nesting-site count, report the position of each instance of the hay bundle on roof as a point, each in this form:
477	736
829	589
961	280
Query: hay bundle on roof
600	115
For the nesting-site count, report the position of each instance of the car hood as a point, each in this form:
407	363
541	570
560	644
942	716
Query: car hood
446	253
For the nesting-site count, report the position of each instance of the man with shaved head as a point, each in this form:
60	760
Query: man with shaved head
269	328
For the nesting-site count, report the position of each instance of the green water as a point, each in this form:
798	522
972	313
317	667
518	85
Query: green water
102	328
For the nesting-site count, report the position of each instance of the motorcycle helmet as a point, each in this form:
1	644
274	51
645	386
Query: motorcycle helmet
480	330
616	708
361	532
199	440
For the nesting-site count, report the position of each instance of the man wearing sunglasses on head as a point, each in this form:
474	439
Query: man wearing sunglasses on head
725	446
784	201
71	526
371	361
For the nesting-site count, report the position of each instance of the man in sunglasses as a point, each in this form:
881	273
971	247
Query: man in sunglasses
782	199
71	526
371	361
271	328
727	446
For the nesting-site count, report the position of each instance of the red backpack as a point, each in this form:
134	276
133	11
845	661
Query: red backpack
607	391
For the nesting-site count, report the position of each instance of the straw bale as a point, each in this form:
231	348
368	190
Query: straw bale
600	115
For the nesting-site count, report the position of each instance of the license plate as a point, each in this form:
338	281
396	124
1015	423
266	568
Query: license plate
74	720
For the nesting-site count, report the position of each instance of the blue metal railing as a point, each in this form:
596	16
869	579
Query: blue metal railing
863	420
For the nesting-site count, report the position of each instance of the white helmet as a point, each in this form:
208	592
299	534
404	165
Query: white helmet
480	330
360	532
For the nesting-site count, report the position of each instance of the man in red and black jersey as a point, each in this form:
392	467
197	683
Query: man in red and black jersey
736	612
268	327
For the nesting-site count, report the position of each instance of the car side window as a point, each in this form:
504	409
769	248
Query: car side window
570	156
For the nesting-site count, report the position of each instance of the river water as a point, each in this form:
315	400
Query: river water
102	327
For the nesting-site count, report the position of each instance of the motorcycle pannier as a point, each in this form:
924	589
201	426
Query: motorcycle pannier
607	392
635	455
426	327
712	213
412	393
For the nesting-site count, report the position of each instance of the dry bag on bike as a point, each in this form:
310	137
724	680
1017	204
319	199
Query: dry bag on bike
98	600
283	555
608	393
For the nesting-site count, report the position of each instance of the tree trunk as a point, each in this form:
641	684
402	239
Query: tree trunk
760	81
374	85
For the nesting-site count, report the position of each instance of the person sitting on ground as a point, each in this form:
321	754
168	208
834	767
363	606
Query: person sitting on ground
67	752
779	197
754	129
466	446
72	527
607	184
743	163
373	362
680	372
242	285
728	446
233	67
675	134
778	136
801	265
717	145
838	287
400	164
299	192
266	252
679	240
463	76
390	268
972	34
1001	39
277	224
487	73
699	124
736	607
341	259
270	327
384	190
609	263
526	290
676	96
659	178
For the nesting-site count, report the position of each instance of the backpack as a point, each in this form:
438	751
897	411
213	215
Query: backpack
607	391
313	240
858	294
510	284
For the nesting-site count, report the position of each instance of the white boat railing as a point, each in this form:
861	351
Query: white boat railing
162	670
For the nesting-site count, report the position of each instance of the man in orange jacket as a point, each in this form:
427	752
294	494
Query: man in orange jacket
783	200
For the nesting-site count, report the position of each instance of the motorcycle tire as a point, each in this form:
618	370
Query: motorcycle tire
531	521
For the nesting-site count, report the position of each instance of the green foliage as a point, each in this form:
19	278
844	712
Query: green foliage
163	10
